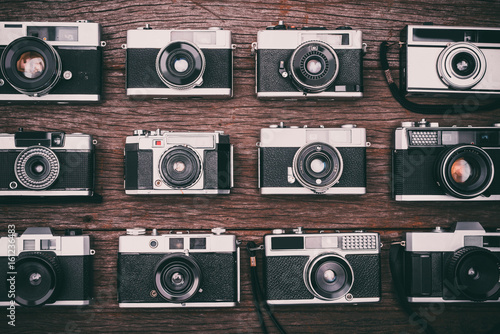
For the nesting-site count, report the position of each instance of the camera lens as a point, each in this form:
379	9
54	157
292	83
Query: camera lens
177	277
180	65
37	167
314	66
180	167
329	277
461	170
475	272
461	65
36	278
31	65
317	166
464	171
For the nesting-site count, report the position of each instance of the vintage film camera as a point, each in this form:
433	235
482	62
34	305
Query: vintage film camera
46	164
462	265
309	63
433	163
50	62
321	268
178	270
295	160
437	60
165	162
179	63
40	268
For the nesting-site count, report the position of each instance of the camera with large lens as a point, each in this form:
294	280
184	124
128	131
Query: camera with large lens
179	63
295	160
309	63
50	62
433	163
462	265
437	60
178	270
39	268
45	164
164	162
321	268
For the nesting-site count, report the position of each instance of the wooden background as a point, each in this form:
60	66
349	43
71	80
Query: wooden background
245	212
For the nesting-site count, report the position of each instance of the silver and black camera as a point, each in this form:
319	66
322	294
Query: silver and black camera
35	163
309	63
433	163
39	268
437	60
50	62
321	268
178	270
176	163
295	160
462	265
179	63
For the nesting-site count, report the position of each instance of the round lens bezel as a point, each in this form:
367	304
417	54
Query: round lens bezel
307	81
304	174
170	264
192	77
192	166
312	274
51	268
482	171
31	86
459	265
25	161
446	66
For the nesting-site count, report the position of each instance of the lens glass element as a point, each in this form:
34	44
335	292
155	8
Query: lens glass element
463	64
314	66
31	64
461	170
181	64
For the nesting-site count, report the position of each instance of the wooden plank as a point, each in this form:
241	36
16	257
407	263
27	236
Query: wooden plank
245	212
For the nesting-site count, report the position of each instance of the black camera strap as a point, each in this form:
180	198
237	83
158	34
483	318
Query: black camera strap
257	294
458	108
396	254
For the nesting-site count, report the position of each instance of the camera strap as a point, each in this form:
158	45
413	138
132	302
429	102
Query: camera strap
257	294
458	108
396	254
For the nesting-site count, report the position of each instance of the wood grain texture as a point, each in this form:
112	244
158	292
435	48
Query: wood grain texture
245	212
